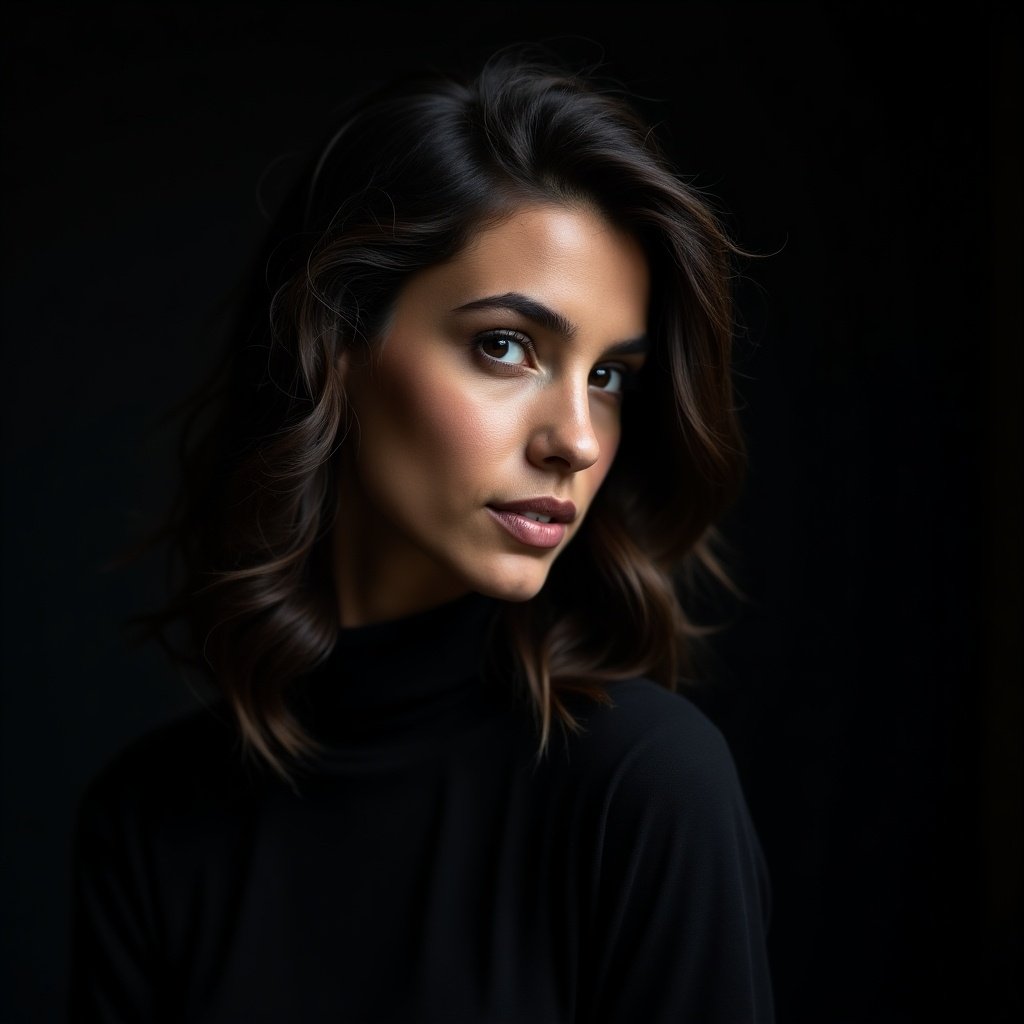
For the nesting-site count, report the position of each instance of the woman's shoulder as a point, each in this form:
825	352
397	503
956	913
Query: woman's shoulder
181	764
663	781
652	743
675	864
643	714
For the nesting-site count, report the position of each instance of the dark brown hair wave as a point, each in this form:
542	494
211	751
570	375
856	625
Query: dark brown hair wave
410	173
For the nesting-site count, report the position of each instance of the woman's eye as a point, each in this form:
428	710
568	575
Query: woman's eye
608	378
503	348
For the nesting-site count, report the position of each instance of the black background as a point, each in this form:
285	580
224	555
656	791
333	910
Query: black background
870	684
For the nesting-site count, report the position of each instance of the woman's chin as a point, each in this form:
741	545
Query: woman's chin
517	582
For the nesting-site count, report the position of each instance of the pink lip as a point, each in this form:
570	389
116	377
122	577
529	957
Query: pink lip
538	535
529	531
557	511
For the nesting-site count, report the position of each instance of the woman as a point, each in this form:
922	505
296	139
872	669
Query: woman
471	437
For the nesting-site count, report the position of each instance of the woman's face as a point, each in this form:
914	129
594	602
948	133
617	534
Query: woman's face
488	414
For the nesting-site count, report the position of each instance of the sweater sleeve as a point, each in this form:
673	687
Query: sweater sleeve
113	949
680	889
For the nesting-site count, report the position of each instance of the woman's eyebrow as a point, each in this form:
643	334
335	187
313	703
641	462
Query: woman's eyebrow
533	310
547	318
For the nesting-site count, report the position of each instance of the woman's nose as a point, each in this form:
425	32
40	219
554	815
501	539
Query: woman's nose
563	436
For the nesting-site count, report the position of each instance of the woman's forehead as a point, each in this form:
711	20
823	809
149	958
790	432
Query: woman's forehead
568	259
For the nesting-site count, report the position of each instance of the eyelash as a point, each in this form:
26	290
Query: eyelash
502	335
630	376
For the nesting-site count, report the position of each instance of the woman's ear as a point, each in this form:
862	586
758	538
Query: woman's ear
341	364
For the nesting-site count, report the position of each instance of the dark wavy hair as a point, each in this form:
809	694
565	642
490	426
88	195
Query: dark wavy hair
410	173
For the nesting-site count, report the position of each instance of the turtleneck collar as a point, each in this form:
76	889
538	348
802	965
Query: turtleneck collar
390	681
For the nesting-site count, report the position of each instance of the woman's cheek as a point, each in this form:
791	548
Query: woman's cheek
456	409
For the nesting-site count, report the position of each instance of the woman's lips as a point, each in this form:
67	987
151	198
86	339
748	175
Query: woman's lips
529	531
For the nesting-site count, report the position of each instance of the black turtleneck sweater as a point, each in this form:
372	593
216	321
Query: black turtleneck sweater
431	870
